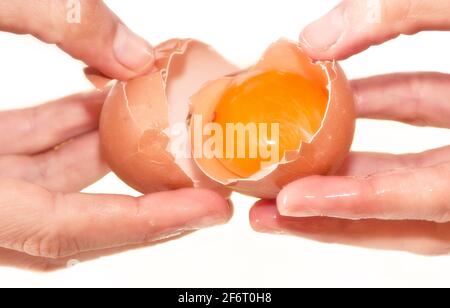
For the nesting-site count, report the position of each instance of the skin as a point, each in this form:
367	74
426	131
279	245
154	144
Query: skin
383	201
44	220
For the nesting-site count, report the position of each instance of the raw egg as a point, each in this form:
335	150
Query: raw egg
289	100
200	121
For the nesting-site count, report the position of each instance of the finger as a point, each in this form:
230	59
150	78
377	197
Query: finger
71	167
420	237
85	29
419	99
68	168
406	194
44	224
355	25
20	260
363	164
37	129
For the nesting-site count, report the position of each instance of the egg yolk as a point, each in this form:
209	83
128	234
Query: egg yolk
290	107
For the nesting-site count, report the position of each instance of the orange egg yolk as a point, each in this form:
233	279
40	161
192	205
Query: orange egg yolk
290	107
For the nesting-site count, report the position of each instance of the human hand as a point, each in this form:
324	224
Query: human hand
376	200
50	152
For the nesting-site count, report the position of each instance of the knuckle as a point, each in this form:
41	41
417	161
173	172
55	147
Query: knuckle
48	27
46	246
79	21
380	194
69	20
403	15
415	113
394	16
369	204
52	240
50	244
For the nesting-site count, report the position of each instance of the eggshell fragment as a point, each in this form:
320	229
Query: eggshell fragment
322	155
142	119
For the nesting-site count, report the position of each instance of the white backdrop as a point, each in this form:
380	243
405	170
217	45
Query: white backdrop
234	255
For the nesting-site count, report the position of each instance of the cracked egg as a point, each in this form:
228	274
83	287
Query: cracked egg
200	121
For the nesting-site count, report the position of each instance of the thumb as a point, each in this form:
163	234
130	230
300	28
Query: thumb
356	25
86	29
56	225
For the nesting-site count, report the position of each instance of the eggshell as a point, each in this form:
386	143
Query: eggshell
144	119
145	124
322	155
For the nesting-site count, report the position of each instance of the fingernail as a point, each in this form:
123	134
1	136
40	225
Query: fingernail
206	222
268	225
168	234
194	225
318	196
264	218
293	204
324	33
132	51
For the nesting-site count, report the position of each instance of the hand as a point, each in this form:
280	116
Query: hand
376	200
51	152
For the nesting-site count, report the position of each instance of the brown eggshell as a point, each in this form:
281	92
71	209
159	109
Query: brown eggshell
136	122
322	155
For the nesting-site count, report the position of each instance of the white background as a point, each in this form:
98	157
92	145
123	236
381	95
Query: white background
234	255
